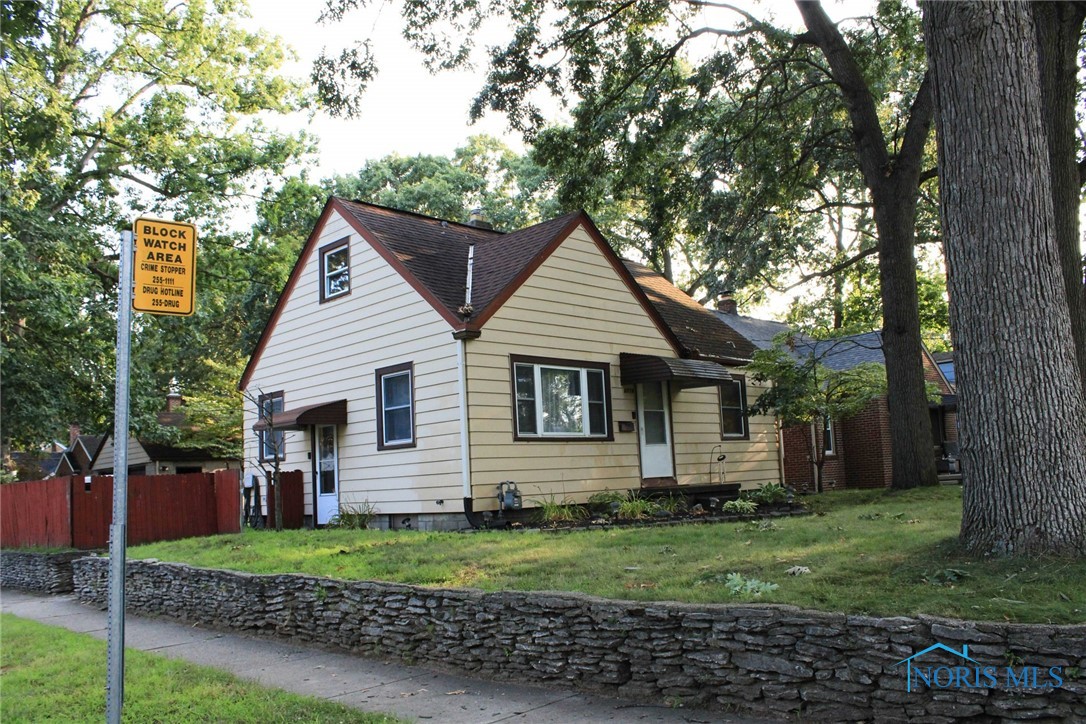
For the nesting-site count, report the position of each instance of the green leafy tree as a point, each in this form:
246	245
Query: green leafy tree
806	392
112	110
511	191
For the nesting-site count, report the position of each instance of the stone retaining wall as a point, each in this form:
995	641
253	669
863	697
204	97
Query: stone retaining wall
765	660
42	572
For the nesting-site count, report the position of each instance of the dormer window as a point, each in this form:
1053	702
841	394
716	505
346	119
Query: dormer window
335	270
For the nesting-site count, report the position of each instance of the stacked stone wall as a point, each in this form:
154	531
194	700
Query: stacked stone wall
765	660
41	572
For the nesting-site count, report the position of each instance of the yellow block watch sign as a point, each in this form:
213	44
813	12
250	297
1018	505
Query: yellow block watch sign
165	269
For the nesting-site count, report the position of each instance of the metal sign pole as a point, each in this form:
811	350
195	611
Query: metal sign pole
117	534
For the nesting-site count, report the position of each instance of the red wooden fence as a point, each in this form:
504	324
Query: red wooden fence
67	512
36	514
293	501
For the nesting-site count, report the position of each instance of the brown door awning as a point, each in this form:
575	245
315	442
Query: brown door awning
324	413
680	372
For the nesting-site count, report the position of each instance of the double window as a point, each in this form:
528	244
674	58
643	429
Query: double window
272	441
335	268
396	406
733	409
560	399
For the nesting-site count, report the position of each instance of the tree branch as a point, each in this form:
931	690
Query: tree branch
867	131
829	272
916	133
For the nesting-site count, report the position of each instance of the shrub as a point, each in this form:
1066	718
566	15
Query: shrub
742	507
566	511
769	494
674	504
738	585
635	508
604	503
353	517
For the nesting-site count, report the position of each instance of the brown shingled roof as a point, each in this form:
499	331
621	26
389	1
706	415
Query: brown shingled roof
436	252
698	330
432	256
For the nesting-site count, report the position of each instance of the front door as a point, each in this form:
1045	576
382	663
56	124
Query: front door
327	473
654	430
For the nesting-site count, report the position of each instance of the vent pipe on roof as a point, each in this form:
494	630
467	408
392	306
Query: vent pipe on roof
477	219
467	309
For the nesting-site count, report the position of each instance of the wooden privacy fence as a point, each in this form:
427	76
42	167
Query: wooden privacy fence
293	501
71	513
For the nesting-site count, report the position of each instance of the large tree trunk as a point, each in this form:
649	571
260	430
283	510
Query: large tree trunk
894	186
1059	25
912	453
1023	411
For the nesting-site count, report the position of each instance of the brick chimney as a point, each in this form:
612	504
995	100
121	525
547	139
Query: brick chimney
478	220
726	303
73	434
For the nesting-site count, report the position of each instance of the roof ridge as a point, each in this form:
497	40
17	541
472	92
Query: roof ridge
404	212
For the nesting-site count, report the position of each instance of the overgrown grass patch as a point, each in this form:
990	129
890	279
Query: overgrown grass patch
51	674
875	552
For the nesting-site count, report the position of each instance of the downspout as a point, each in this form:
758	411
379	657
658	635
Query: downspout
465	446
461	364
780	448
815	482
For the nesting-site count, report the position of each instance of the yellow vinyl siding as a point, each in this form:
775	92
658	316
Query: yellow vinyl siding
696	424
576	307
325	352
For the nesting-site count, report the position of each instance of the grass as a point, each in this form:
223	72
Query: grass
51	674
873	552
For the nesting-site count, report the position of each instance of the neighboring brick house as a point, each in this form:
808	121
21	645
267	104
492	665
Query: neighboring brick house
858	448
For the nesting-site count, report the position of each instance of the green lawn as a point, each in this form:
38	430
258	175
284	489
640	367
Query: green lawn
52	674
871	552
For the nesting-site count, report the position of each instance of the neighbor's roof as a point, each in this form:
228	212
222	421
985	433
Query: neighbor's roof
844	353
169	453
432	256
697	329
760	332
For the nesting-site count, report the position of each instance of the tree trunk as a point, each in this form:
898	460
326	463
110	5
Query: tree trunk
912	453
278	496
1022	408
1059	25
894	186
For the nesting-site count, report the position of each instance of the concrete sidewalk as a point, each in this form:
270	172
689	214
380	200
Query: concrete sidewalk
410	692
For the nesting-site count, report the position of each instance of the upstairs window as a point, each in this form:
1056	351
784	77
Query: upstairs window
335	270
272	442
395	406
560	399
733	409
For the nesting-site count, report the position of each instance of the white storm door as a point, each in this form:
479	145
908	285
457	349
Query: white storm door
654	430
327	473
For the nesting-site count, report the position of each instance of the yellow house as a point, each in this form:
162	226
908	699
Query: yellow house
415	365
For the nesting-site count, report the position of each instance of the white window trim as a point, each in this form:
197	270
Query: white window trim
586	422
829	435
326	276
